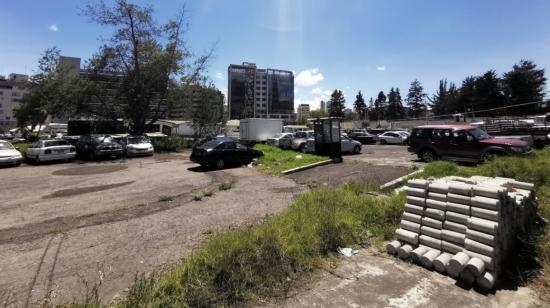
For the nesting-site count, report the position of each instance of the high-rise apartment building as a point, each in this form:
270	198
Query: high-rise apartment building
11	91
303	109
260	93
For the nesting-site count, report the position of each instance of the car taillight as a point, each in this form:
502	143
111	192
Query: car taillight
48	151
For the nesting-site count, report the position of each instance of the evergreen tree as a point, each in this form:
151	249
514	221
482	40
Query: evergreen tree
371	114
380	106
444	101
488	93
415	98
395	107
524	84
337	104
466	96
399	104
359	105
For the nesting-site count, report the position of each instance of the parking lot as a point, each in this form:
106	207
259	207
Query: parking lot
70	226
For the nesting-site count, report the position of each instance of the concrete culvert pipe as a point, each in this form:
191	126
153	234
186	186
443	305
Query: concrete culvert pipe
451	247
436	204
483	225
480	237
486	281
451	236
479	247
456	217
407	236
486	203
418	183
430	222
392	247
432	232
439	187
430	241
415	209
441	262
413	191
456	198
418	252
485	213
416	201
457	264
435	213
411	226
475	266
404	251
427	259
412	217
454	226
458	208
467	277
437	197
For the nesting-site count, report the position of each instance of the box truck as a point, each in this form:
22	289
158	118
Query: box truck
259	130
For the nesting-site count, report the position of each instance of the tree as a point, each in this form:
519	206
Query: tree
318	113
371	109
359	105
467	95
380	106
488	93
141	59
337	104
207	114
415	98
395	107
524	84
444	101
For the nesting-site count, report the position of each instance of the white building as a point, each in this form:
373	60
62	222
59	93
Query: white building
11	91
303	109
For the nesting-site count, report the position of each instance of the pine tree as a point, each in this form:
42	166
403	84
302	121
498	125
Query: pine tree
395	108
415	98
399	104
370	110
337	104
380	106
524	84
444	101
488	93
359	105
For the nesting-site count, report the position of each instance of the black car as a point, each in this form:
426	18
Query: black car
364	138
98	146
222	152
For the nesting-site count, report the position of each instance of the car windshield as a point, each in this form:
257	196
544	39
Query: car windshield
210	144
6	146
137	140
53	143
279	135
479	134
103	139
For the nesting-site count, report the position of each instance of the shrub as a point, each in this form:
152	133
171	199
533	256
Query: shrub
170	144
225	185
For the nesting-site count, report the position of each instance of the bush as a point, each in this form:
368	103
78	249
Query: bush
170	144
276	160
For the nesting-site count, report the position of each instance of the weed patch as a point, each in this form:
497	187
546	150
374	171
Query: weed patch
276	160
226	185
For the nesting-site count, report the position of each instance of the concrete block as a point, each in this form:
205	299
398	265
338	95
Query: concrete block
432	232
427	259
404	251
430	241
453	226
416	201
418	252
479	247
407	236
486	203
430	222
482	225
436	204
412	217
413	191
451	247
456	198
454	237
458	208
440	263
456	217
484	213
522	185
392	247
481	237
414	209
434	213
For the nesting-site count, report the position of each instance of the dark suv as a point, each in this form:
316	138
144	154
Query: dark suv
98	146
461	143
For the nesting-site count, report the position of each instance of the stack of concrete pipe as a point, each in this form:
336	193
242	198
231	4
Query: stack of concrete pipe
464	227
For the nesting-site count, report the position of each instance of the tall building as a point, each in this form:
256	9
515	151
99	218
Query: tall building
303	109
260	93
11	91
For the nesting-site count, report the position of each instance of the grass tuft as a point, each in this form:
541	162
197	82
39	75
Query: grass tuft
225	185
276	160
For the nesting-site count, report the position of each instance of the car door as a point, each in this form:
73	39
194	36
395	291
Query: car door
242	154
229	152
464	146
346	144
440	141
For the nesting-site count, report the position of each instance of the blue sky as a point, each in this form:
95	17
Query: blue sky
351	45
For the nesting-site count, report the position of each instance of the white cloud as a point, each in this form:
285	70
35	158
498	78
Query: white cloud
320	91
219	76
308	78
381	68
54	28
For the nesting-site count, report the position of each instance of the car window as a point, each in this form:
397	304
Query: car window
227	146
6	146
53	143
241	146
460	135
287	136
441	134
36	145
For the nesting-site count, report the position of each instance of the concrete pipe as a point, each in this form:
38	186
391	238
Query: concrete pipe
482	225
481	237
522	185
404	251
430	222
475	266
479	247
441	262
486	203
456	217
412	217
430	241
467	277
484	213
407	236
392	247
493	192
457	264
416	201
456	198
436	204
489	264
458	208
437	196
415	209
418	183
429	231
413	191
460	188
411	226
418	252
486	281
435	214
451	247
438	187
452	236
426	260
453	226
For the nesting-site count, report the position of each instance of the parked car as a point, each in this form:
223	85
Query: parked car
49	150
347	145
98	146
299	141
137	146
363	137
9	155
221	152
392	138
461	143
282	140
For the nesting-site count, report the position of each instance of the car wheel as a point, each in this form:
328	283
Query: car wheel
302	148
428	155
357	149
383	142
489	156
203	165
220	163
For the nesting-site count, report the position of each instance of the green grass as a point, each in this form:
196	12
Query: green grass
276	160
22	147
266	260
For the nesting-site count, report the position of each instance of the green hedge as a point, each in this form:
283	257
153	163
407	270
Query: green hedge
170	144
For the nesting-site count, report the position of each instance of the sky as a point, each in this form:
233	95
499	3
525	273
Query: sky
352	45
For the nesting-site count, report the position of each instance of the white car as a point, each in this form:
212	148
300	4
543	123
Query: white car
9	155
282	140
392	138
347	145
51	149
137	146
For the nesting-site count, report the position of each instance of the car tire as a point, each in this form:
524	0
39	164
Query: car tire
203	165
383	142
302	148
220	163
490	156
427	155
356	149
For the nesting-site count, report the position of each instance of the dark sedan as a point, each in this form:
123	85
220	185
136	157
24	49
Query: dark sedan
98	146
364	138
222	152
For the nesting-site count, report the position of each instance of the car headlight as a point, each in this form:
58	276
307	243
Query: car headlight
517	149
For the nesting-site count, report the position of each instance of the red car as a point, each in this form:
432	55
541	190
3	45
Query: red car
461	143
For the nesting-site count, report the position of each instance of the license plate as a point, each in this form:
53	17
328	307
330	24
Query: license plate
59	151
